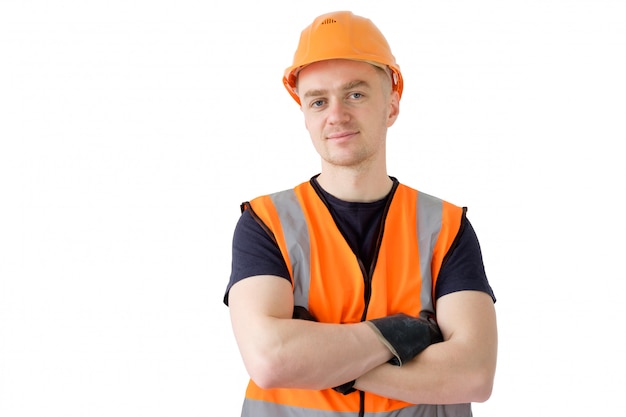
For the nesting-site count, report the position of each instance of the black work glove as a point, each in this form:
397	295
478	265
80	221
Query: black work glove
302	313
406	336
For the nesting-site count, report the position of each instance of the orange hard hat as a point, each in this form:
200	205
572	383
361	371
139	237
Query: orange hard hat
341	35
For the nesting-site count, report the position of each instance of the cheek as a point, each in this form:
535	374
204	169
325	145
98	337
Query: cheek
311	124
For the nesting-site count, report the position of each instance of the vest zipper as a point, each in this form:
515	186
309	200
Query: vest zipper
368	274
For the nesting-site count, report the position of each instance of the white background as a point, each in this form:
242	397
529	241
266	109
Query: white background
130	132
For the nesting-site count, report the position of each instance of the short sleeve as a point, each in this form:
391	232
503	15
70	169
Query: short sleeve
463	267
254	252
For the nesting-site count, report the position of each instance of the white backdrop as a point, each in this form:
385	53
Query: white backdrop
130	132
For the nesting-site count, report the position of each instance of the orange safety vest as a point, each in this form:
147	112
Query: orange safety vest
418	232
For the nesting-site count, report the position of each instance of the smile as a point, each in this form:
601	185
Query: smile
341	135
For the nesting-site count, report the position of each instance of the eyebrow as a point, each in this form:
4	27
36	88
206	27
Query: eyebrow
347	86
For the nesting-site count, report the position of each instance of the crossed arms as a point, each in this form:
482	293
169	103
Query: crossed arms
279	351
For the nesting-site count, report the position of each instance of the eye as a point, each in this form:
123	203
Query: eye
317	103
356	95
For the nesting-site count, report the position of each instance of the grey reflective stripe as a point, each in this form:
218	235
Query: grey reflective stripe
296	234
257	408
429	217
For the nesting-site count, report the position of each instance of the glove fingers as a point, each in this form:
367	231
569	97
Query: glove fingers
302	313
406	336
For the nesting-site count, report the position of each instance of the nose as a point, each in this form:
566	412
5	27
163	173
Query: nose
337	112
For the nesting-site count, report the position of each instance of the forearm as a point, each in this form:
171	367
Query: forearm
304	354
281	352
444	373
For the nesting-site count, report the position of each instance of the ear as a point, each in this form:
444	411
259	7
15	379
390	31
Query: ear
394	108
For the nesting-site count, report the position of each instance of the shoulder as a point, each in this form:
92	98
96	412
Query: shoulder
433	212
275	196
425	199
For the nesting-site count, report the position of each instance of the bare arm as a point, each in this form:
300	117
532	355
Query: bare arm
460	369
279	351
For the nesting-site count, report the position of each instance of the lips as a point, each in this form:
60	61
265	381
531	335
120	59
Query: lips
346	134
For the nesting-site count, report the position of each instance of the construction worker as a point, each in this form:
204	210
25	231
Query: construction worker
352	293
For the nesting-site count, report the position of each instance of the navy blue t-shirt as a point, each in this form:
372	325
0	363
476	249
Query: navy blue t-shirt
256	253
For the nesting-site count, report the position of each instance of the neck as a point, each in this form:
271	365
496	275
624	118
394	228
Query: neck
355	186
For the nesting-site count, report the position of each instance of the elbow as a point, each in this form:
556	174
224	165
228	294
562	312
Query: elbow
482	393
481	386
267	372
264	377
481	378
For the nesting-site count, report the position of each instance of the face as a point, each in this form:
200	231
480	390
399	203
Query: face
347	106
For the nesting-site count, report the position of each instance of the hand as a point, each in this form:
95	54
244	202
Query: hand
406	336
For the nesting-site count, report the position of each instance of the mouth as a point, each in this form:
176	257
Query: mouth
343	135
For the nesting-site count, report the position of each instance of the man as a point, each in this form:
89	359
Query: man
353	294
